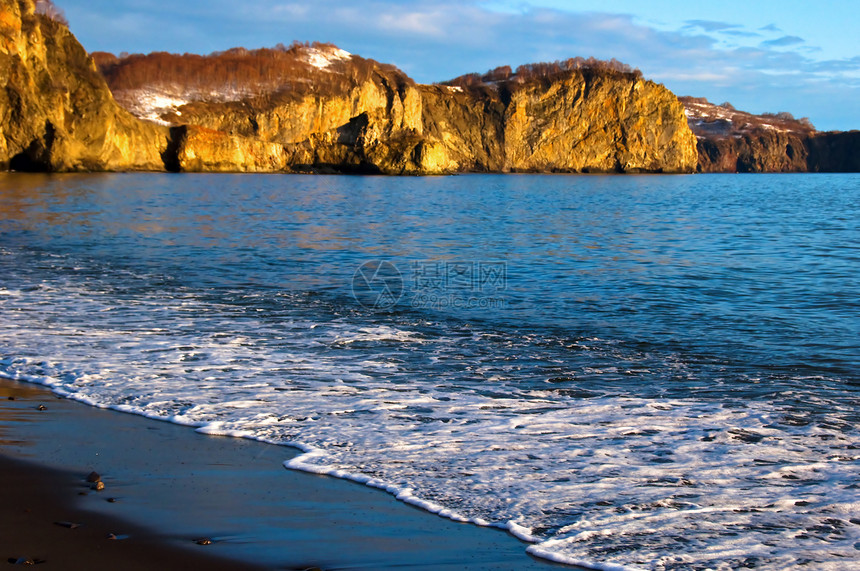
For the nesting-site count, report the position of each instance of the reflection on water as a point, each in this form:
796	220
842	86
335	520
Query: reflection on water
761	267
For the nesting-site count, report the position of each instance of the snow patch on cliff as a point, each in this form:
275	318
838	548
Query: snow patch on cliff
707	112
151	105
707	119
322	58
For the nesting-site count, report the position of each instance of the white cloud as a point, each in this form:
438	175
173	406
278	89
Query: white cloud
710	26
421	23
696	76
292	10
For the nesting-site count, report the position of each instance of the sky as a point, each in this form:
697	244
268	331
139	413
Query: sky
760	55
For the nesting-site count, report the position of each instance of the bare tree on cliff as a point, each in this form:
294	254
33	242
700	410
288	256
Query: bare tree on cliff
50	10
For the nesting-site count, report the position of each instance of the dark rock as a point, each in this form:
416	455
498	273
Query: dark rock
203	541
754	153
834	152
67	524
729	140
94	477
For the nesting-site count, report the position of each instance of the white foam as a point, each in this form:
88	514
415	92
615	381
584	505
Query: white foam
374	334
521	532
307	462
545	551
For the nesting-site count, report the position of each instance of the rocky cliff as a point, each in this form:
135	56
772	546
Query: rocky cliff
316	108
56	111
586	121
837	151
729	140
332	111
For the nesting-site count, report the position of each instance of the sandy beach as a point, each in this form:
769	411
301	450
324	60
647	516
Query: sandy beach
168	487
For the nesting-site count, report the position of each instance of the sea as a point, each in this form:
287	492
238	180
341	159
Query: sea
625	372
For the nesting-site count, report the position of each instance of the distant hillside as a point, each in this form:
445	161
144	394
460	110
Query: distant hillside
709	120
729	140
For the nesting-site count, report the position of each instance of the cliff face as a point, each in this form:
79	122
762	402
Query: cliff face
764	151
729	140
467	128
366	117
589	122
315	109
198	149
56	111
834	152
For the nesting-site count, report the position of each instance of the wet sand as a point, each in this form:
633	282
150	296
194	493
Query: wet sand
167	486
43	525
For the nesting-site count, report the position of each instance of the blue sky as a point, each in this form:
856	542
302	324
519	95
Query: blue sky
760	55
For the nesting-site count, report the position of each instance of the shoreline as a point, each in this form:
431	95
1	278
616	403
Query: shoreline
172	486
592	173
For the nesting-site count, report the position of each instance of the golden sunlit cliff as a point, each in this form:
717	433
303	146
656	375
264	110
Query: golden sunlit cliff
333	111
316	108
56	111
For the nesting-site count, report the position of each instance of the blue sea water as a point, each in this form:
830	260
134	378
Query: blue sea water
655	372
